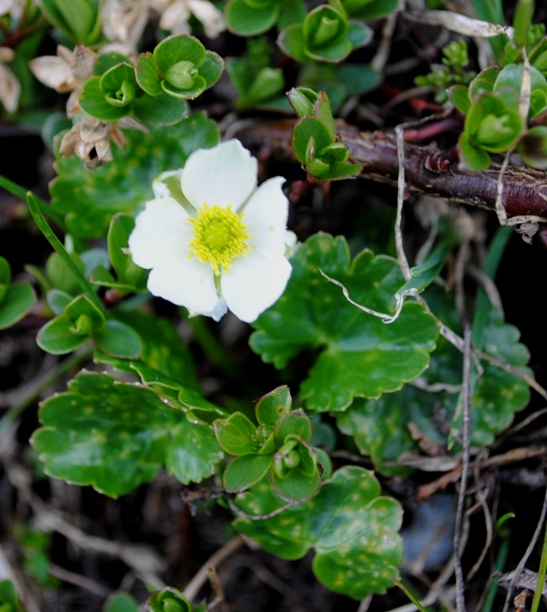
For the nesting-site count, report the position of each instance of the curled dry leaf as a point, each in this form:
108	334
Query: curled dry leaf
124	21
90	139
66	72
10	88
174	16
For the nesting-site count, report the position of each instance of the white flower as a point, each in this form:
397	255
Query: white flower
221	243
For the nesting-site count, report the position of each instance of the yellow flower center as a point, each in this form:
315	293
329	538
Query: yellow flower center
219	237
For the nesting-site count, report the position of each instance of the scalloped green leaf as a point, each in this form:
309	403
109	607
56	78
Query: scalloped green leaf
496	396
193	452
361	356
125	184
350	525
16	303
384	439
115	435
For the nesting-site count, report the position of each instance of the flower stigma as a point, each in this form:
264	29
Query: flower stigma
219	237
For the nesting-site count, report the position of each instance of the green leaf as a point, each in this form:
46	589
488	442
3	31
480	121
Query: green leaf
291	42
8	597
193	452
368	9
352	528
163	349
119	340
168	599
496	394
385	439
160	110
60	276
273	406
121	602
5	277
236	434
16	303
94	103
247	21
459	97
125	184
473	157
115	436
81	319
58	301
58	336
483	82
361	356
177	48
78	19
294	423
147	74
304	131
296	486
245	471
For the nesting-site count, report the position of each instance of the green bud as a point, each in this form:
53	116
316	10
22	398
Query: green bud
83	326
327	29
494	129
182	75
123	96
302	100
291	460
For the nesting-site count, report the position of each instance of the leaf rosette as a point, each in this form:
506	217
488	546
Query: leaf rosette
325	35
180	67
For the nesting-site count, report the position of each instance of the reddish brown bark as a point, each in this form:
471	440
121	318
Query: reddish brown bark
428	170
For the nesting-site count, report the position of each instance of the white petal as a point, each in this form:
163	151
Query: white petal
162	234
159	188
265	216
223	175
186	282
253	284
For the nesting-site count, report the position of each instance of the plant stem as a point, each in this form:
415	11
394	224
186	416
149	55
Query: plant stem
43	226
408	593
541	576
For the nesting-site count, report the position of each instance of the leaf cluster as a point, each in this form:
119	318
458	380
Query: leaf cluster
155	89
277	445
